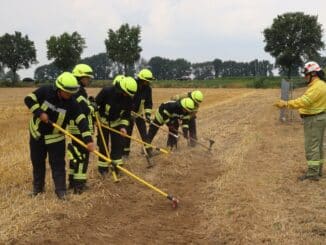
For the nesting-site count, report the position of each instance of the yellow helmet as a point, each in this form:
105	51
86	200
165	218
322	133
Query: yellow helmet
117	79
146	75
83	70
197	96
67	82
187	104
128	85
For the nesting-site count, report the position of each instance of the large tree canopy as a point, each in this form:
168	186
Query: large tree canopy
293	39
122	46
17	52
66	50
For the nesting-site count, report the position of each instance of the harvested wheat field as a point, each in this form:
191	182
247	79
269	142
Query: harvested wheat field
244	192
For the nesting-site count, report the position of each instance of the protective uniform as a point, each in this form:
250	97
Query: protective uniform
312	108
115	104
197	97
168	111
142	105
46	139
78	155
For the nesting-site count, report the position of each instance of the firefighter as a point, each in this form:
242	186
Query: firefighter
142	105
115	104
54	104
312	108
78	155
197	96
168	111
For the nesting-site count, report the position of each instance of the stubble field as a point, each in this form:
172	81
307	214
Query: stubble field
244	192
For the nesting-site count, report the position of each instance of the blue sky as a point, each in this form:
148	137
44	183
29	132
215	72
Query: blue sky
197	30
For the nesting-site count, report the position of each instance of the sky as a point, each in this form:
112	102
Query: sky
196	30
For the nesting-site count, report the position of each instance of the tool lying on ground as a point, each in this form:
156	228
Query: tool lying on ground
174	200
136	139
99	127
156	125
211	142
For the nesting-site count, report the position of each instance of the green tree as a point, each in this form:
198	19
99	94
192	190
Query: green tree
122	46
293	39
17	52
65	50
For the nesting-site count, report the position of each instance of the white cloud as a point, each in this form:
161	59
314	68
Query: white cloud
191	29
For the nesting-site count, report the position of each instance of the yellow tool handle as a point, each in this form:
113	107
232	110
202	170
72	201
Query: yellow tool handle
135	139
109	160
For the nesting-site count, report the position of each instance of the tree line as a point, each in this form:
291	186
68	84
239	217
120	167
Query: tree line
292	39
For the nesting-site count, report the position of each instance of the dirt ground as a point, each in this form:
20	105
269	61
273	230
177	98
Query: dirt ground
244	192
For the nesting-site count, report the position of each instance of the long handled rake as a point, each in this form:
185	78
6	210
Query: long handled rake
174	200
209	147
99	127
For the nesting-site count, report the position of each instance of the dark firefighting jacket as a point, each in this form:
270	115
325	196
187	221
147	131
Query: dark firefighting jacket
142	101
87	109
172	110
45	99
114	107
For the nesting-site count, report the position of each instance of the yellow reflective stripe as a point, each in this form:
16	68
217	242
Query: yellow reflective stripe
167	113
90	123
79	118
61	118
33	128
69	155
71	171
117	161
104	121
314	163
159	117
53	138
86	133
148	110
102	164
82	98
119	122
34	107
44	106
107	109
80	176
185	126
33	96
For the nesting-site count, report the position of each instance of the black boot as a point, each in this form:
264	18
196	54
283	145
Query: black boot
311	174
103	171
35	192
62	195
321	170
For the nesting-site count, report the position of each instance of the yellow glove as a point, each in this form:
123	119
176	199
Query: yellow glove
281	104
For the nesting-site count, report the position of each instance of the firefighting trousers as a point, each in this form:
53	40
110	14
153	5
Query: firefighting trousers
173	129
314	129
117	144
141	126
79	164
56	153
103	166
192	131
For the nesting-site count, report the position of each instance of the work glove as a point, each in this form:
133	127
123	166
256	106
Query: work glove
148	117
93	104
281	104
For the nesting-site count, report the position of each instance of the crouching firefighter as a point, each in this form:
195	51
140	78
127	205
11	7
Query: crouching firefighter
114	105
142	105
78	155
54	104
197	96
168	112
